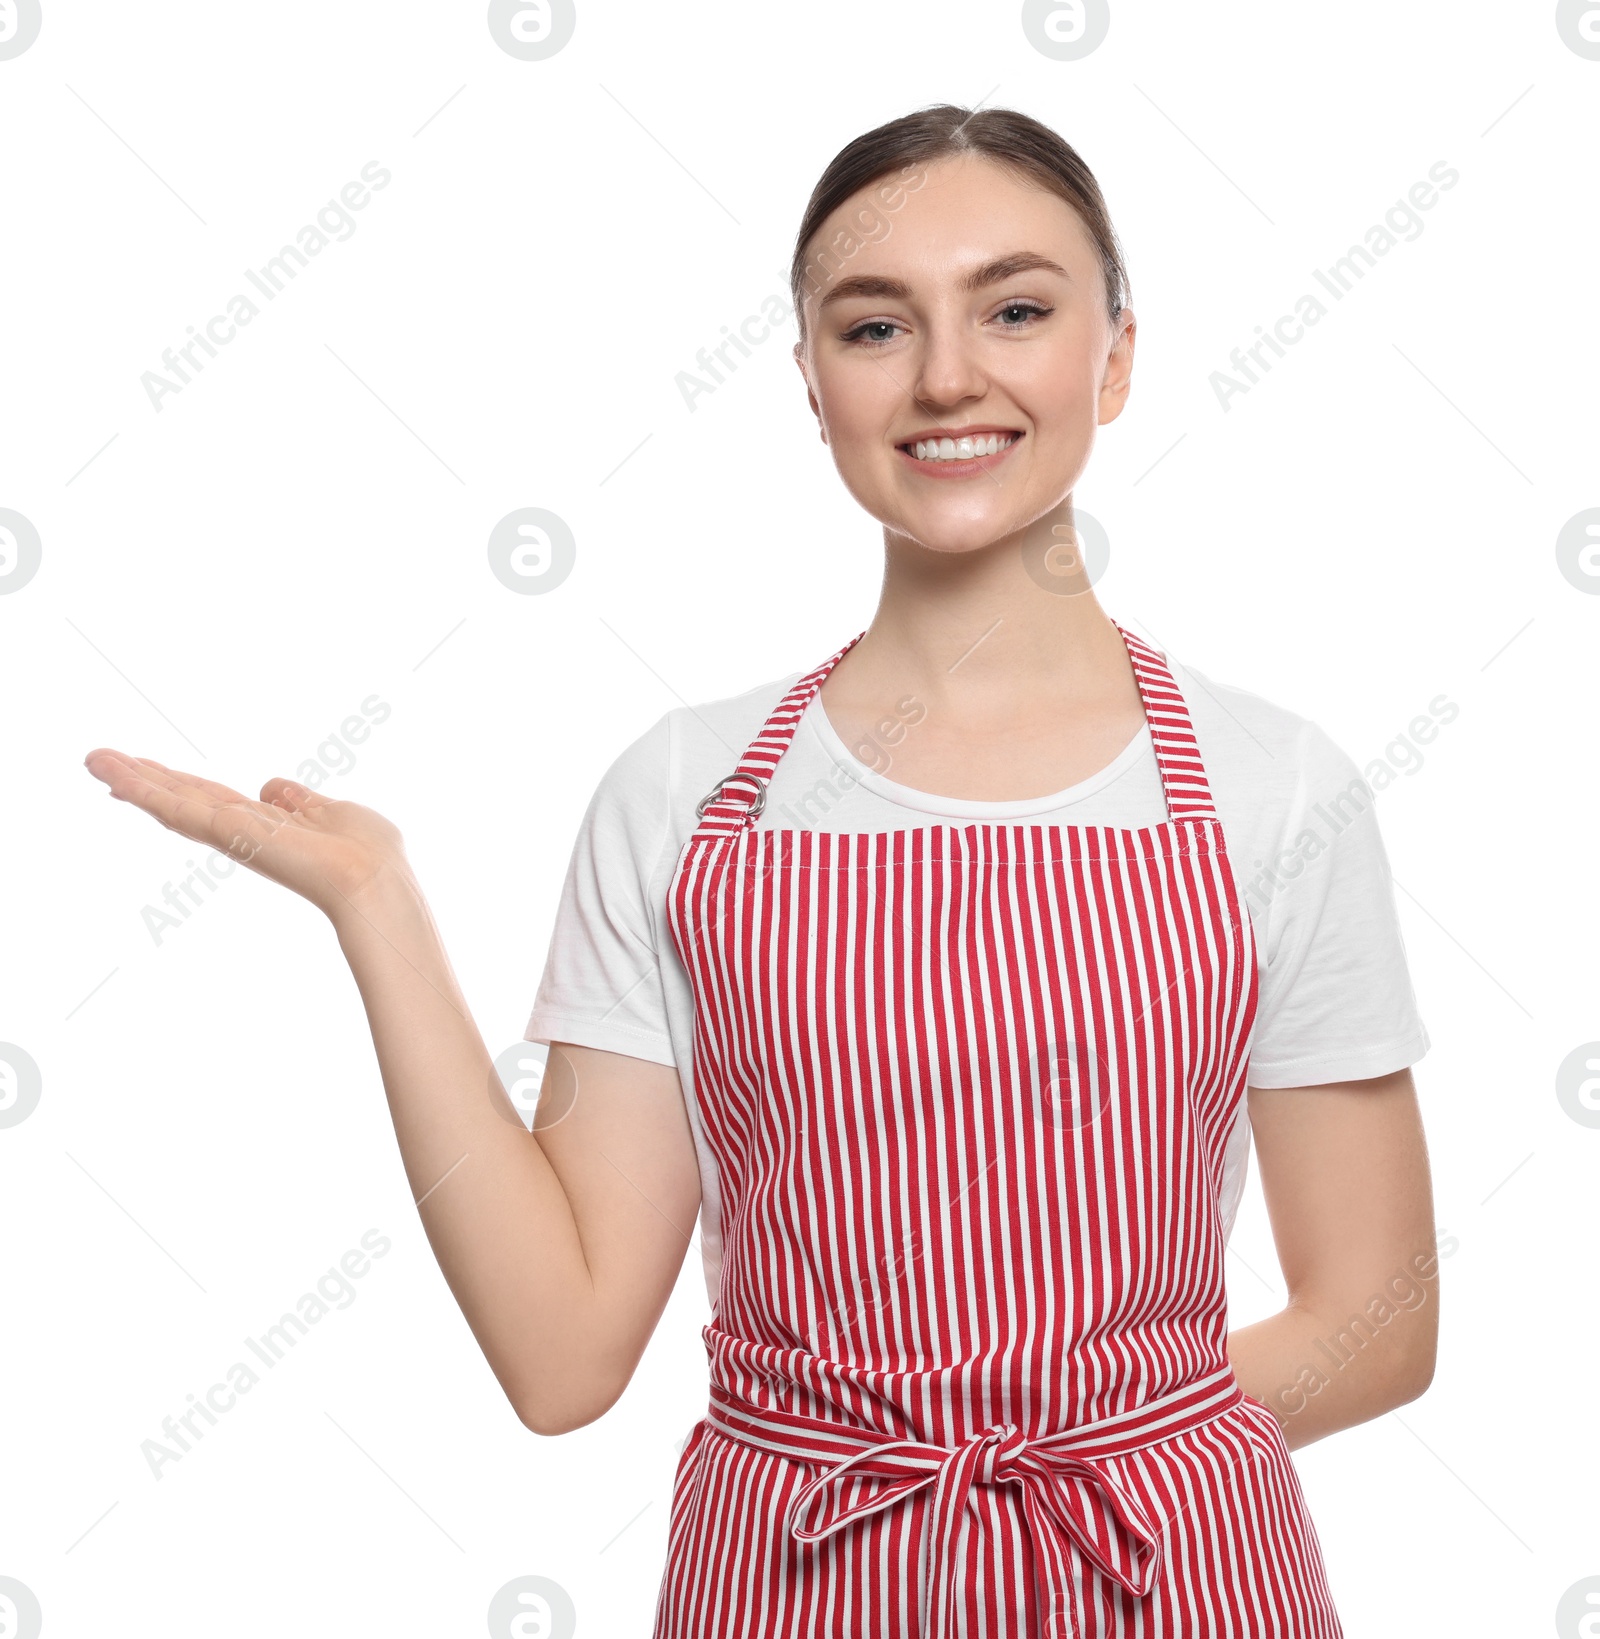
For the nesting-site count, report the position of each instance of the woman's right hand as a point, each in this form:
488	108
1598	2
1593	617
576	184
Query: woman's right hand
325	850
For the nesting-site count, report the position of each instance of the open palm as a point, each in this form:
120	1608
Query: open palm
325	850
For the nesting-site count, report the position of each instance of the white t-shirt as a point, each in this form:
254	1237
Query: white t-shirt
1335	1001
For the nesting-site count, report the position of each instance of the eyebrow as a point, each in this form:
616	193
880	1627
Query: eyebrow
987	273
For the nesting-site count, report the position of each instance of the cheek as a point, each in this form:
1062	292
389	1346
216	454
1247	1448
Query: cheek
1057	388
857	404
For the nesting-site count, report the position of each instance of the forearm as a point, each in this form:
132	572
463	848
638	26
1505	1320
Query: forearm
493	1208
1323	1368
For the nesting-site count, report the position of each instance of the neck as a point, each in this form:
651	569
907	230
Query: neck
1012	619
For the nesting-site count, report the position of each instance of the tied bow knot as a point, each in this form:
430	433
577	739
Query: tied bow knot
1068	1500
998	1450
1077	1498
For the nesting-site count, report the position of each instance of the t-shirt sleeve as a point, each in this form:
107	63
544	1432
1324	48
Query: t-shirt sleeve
1336	1002
602	985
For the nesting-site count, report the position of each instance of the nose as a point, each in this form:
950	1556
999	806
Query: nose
948	368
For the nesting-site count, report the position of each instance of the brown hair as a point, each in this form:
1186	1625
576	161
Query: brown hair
911	143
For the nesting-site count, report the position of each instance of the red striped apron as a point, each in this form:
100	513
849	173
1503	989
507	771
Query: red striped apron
968	1089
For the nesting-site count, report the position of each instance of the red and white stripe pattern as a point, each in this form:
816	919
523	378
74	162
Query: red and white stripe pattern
968	1089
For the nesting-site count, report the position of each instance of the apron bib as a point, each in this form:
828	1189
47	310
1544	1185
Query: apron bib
968	1088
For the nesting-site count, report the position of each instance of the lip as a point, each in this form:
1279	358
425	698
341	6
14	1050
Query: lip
924	434
958	469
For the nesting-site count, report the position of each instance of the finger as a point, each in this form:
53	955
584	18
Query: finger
202	810
105	763
184	784
122	773
180	780
292	795
278	791
113	766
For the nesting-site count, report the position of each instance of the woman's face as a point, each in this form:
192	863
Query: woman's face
981	308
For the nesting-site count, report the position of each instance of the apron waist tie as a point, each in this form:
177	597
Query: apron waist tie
1068	1495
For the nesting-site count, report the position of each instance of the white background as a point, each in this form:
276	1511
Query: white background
225	580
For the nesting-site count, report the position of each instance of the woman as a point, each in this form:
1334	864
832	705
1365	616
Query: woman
955	1061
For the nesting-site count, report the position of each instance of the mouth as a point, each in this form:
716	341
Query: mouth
960	455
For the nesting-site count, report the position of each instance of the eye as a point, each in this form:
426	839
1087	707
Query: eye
859	333
880	332
1029	310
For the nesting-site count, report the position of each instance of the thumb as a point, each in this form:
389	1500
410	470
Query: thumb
291	795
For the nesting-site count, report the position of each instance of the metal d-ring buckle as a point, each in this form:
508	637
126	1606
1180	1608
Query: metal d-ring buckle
716	791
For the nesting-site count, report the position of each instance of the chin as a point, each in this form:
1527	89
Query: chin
953	536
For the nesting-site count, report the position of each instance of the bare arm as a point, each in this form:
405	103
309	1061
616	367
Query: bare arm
562	1245
1344	1170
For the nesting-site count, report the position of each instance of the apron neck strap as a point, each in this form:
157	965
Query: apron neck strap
734	802
1183	775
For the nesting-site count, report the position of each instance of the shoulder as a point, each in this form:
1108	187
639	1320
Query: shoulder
1256	747
715	733
686	750
1286	790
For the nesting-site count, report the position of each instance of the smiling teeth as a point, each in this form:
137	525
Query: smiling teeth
962	449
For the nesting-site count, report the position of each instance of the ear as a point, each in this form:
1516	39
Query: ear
1115	384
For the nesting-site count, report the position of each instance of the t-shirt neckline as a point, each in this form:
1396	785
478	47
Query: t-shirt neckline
815	719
